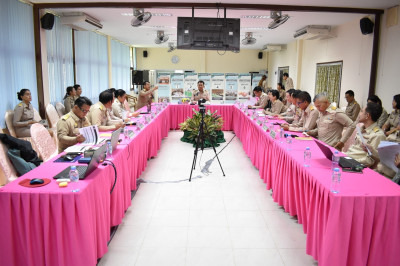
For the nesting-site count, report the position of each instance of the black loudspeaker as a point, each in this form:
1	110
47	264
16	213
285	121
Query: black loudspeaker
367	26
47	21
145	54
137	77
260	55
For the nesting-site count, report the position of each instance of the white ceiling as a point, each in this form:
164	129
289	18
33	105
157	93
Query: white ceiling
118	26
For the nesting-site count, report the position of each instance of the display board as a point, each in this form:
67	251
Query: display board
222	87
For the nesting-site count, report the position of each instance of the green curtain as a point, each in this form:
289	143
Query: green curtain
328	80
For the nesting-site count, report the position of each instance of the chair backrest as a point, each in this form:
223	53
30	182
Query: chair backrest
42	140
126	106
60	109
9	122
351	140
52	115
36	115
7	171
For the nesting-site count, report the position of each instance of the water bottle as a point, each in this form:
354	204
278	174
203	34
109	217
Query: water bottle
289	142
307	157
126	132
109	149
73	174
281	133
335	160
335	184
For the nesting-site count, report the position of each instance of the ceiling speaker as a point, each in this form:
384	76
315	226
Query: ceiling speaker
47	21
366	26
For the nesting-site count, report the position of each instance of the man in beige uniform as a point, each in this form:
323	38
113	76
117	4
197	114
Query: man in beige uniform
289	81
98	114
372	134
201	94
68	126
262	99
330	123
309	116
145	95
276	104
353	108
392	125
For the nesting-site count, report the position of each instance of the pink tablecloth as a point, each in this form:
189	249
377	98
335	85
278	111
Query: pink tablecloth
359	226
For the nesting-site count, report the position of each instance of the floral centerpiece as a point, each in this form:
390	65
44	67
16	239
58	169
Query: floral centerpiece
212	130
185	100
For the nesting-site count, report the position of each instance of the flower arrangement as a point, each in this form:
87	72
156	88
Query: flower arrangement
185	100
212	130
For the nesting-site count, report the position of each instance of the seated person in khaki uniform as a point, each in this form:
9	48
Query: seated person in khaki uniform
145	95
384	116
23	114
330	123
201	93
118	106
282	93
353	108
309	116
262	99
69	99
290	113
372	134
98	114
276	104
68	126
392	125
78	91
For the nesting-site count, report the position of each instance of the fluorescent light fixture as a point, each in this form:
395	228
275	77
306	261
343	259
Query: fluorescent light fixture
254	28
153	14
255	16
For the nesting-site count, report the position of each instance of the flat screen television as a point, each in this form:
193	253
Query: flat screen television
208	33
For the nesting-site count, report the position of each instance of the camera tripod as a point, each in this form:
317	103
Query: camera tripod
200	142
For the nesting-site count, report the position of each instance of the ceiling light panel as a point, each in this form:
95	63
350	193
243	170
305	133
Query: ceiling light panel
255	16
153	14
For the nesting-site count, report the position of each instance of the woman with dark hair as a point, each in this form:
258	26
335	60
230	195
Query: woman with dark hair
118	105
392	125
382	119
282	92
263	83
23	114
69	99
276	104
78	91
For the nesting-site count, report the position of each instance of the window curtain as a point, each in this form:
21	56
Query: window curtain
120	60
91	63
328	79
17	54
60	60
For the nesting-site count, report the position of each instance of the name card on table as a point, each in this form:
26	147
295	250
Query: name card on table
272	133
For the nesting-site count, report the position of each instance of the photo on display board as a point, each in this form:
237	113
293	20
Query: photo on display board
163	79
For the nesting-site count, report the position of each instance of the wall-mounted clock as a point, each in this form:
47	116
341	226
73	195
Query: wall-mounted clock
175	59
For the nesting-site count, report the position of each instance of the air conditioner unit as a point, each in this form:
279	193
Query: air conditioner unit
314	32
274	47
80	21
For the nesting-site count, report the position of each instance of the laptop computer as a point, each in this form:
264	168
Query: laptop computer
344	162
115	137
85	170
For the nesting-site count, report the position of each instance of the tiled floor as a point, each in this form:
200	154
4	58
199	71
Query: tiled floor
213	220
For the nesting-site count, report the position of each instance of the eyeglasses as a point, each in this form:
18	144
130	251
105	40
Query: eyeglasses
84	111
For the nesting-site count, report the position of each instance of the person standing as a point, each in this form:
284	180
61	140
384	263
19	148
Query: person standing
353	108
263	83
68	126
289	81
23	114
145	95
78	91
69	99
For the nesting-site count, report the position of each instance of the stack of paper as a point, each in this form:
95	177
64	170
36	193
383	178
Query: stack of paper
387	152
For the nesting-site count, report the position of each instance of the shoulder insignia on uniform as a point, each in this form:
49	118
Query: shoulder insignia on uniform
65	117
376	129
333	107
20	104
76	124
312	107
101	107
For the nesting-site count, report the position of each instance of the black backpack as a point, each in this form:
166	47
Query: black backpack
25	147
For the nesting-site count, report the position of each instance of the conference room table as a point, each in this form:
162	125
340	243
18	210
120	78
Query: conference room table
62	226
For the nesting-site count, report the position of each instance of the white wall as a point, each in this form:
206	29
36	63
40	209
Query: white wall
389	64
350	46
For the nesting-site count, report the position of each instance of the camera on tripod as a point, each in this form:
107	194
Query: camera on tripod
202	108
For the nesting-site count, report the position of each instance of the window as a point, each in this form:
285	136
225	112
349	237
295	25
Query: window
328	79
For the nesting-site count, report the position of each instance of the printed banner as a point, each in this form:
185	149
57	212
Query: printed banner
244	84
231	87
190	84
177	85
217	86
255	79
163	83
